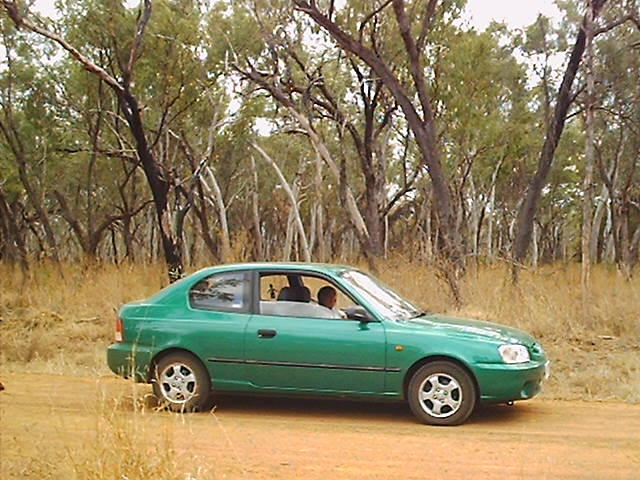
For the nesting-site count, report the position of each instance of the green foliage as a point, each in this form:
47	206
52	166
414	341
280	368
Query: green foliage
492	93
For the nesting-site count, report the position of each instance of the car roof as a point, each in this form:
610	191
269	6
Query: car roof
279	266
276	267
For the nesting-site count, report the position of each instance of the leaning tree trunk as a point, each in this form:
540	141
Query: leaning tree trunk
159	186
423	127
419	115
350	203
527	211
225	252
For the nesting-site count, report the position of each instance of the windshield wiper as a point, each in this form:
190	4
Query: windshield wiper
421	314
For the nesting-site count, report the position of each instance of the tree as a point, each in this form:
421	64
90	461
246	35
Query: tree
527	210
418	114
131	110
24	134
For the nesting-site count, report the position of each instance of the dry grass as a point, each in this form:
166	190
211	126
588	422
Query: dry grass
548	302
114	437
61	322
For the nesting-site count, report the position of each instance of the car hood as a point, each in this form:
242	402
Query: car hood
473	329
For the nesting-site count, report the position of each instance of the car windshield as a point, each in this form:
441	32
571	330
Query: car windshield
381	297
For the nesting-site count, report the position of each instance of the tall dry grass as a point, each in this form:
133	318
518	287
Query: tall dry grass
61	320
113	437
547	302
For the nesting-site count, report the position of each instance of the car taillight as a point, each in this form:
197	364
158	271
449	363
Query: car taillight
119	330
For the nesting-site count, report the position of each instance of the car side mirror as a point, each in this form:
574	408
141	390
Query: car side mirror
359	314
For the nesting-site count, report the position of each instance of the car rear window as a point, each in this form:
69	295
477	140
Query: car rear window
221	292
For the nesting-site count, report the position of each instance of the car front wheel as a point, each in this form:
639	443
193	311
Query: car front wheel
442	393
181	383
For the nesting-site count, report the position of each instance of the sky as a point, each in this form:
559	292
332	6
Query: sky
515	13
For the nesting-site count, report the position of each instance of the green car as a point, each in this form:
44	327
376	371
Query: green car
317	330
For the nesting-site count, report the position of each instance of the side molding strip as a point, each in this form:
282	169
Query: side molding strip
326	366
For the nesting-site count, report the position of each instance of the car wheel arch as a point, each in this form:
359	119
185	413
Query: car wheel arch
168	351
437	358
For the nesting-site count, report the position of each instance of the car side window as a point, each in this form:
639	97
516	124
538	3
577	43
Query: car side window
227	292
295	295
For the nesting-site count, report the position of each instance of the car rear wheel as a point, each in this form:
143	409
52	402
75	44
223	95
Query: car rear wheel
442	393
181	383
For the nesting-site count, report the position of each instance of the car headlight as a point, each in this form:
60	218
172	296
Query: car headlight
514	353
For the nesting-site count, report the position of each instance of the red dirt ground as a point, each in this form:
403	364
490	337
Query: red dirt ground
255	438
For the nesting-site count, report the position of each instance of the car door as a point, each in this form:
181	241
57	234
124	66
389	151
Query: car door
299	352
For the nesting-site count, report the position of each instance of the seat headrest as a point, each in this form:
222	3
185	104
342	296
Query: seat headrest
284	294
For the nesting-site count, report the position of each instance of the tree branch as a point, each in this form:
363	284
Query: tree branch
427	20
632	17
369	17
137	41
19	20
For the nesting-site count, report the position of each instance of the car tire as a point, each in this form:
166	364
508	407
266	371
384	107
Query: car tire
442	393
181	383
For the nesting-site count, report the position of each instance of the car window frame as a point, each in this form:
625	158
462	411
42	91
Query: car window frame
257	274
247	295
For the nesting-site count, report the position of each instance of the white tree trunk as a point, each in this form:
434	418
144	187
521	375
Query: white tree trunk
596	225
534	246
222	214
589	154
288	239
490	208
255	210
319	209
292	198
323	152
476	208
490	218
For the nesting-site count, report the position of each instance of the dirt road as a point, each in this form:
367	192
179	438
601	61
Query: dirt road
248	438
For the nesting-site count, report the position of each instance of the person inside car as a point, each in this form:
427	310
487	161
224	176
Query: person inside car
328	297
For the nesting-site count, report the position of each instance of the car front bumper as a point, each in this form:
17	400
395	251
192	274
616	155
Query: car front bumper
508	382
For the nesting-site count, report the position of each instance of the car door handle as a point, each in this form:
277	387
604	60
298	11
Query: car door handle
266	333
